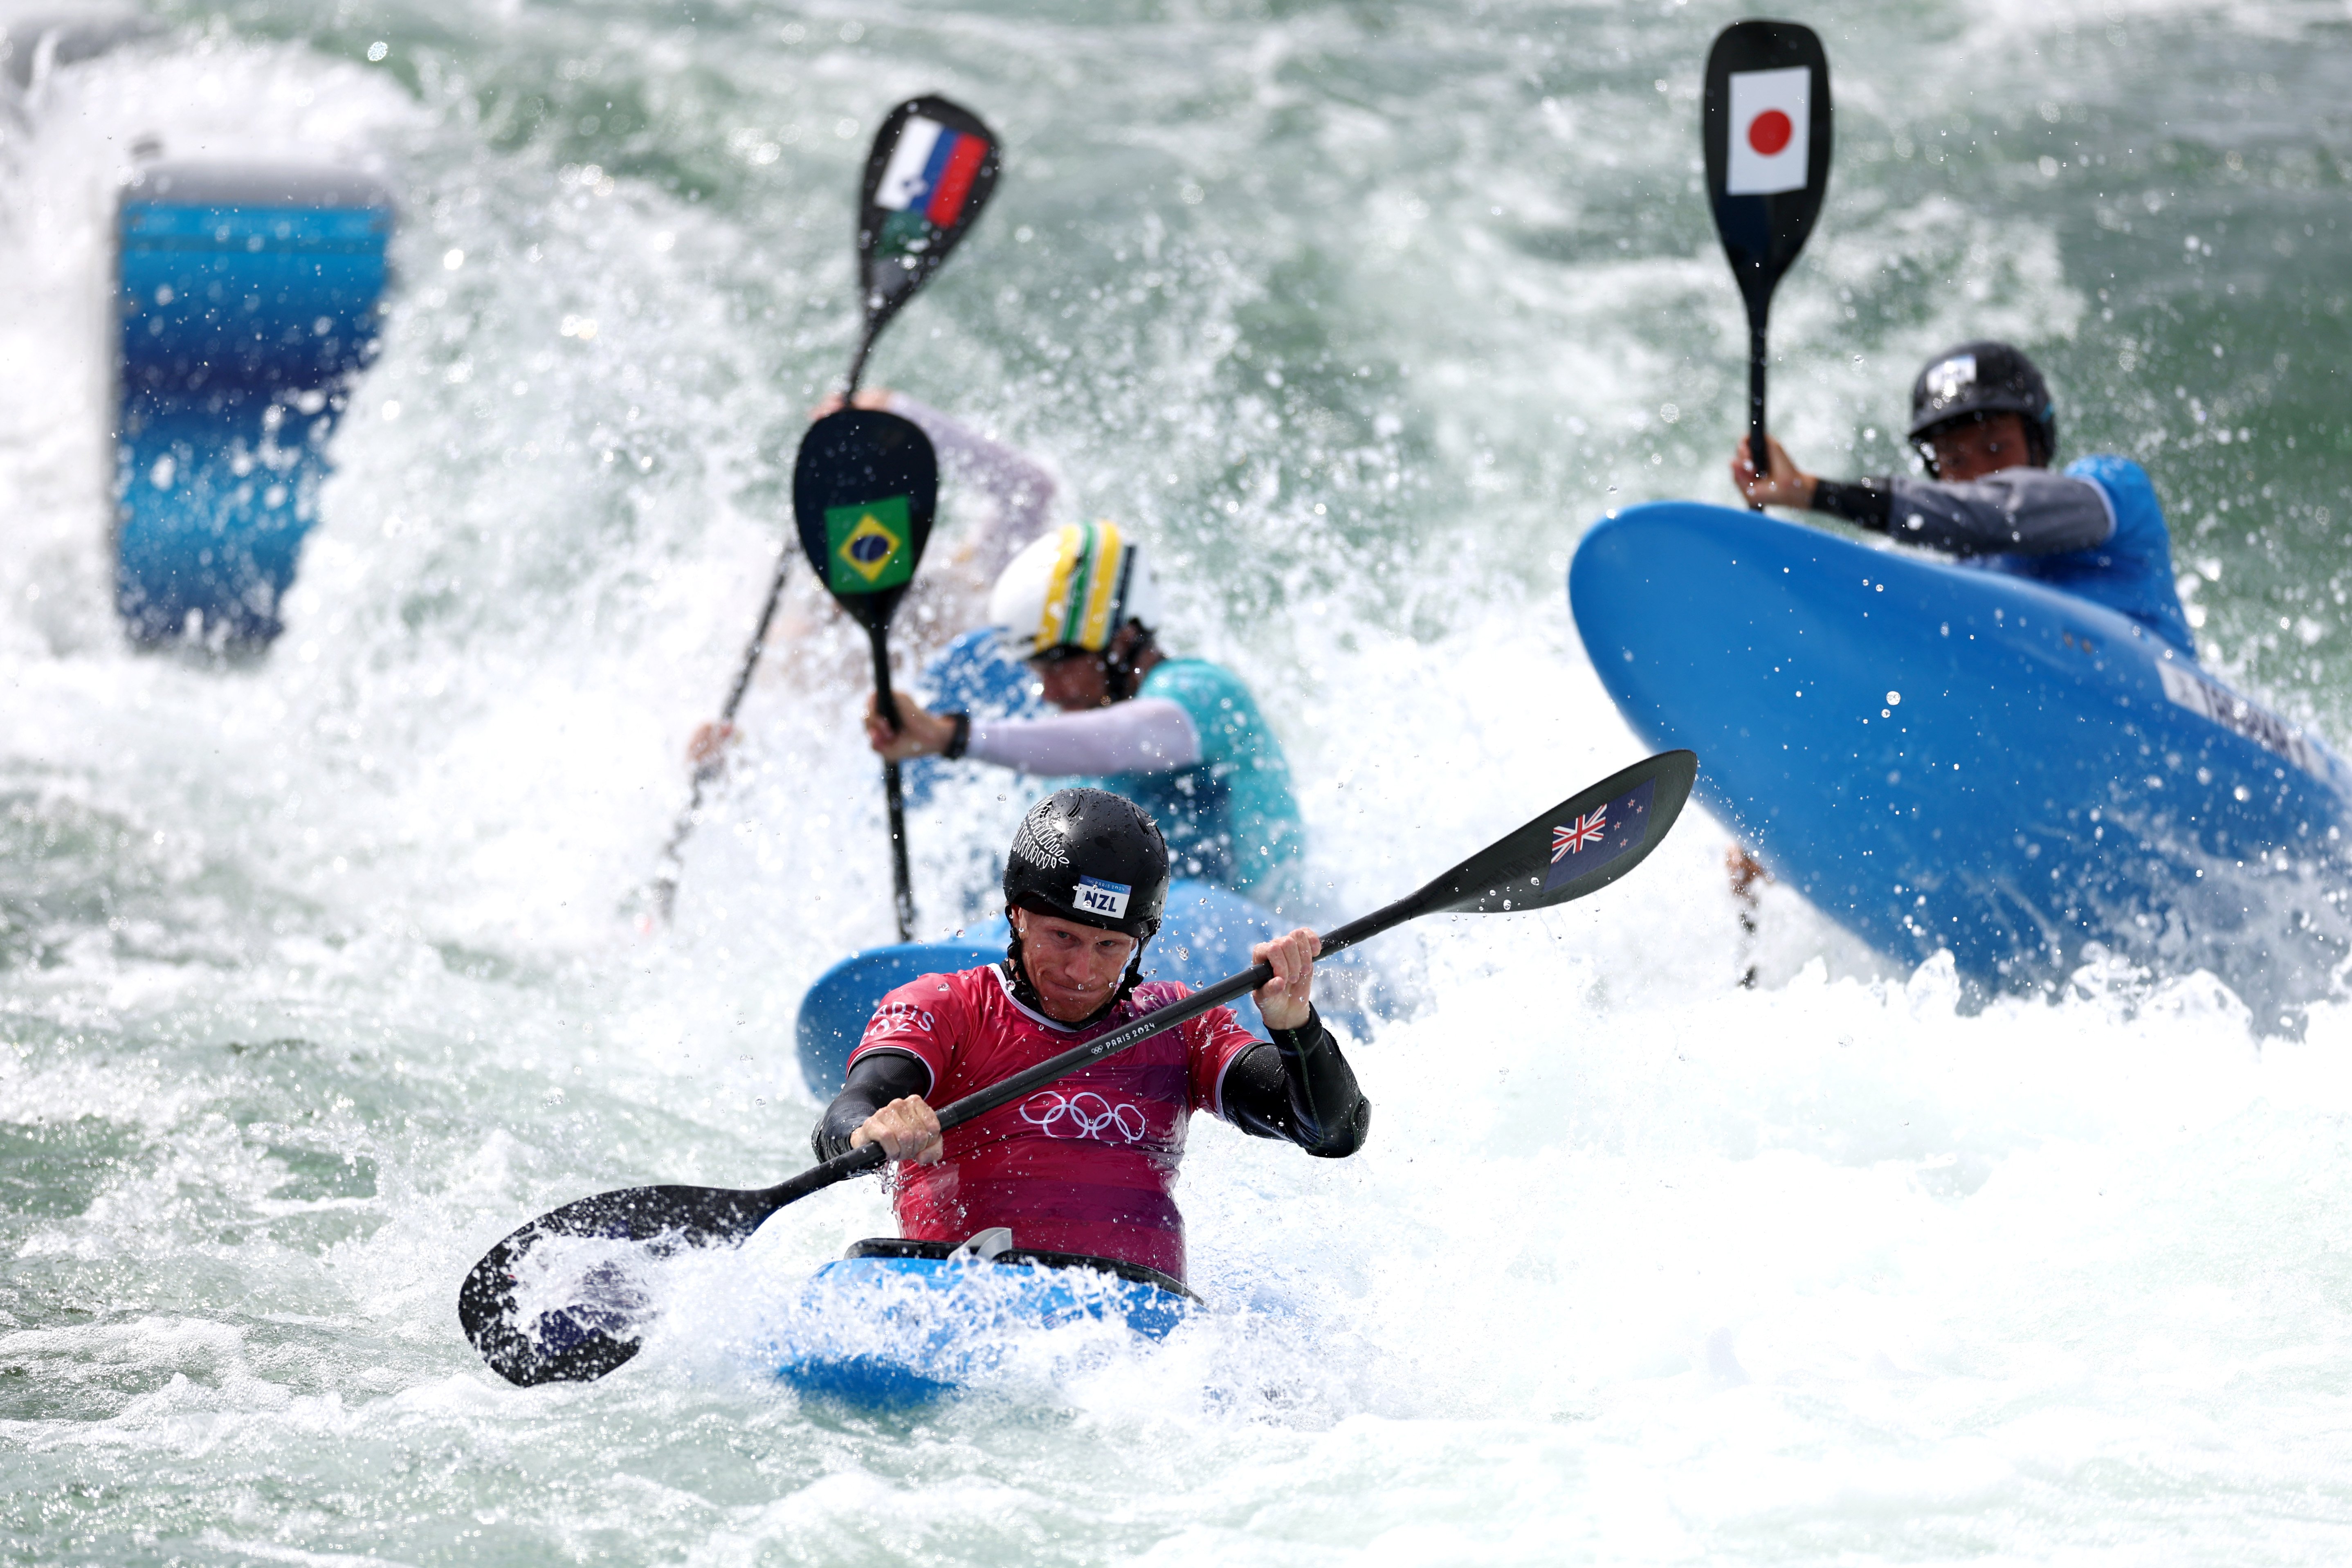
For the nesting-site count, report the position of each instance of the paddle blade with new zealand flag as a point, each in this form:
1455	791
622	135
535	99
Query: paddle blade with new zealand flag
1579	846
931	172
864	493
1766	128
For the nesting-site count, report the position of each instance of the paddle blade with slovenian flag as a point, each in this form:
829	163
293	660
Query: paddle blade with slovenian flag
931	171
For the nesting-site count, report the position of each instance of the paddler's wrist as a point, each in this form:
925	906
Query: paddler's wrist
1309	1035
836	1131
830	1140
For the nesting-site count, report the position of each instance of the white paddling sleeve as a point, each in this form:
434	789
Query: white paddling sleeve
1145	735
1020	492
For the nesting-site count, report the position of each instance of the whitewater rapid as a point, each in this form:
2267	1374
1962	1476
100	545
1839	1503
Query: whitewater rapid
316	973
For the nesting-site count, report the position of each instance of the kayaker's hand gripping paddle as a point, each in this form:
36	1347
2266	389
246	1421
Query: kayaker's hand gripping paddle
1766	127
1579	846
931	170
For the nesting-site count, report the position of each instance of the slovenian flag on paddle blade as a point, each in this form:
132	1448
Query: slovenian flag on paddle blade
1772	125
931	171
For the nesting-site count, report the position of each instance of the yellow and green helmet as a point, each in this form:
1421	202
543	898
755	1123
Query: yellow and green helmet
1074	587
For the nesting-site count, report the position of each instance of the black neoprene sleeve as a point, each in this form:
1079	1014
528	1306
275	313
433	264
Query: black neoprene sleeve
1300	1088
876	1079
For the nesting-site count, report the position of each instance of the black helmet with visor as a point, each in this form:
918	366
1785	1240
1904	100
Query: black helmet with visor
1974	379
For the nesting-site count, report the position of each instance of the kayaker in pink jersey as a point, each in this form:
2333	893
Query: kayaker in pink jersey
1086	1165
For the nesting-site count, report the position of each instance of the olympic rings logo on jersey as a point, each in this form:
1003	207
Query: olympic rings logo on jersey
1084	1115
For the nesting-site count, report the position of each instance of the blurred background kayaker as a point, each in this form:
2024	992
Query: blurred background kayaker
1983	420
1182	737
1987	428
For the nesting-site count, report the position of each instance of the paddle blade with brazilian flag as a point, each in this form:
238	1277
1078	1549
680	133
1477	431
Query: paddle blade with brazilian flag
864	493
867	546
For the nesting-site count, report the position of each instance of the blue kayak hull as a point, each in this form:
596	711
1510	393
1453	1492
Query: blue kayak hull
897	1331
834	1011
1207	936
1944	758
249	299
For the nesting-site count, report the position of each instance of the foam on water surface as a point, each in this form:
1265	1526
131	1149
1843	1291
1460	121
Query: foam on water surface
317	980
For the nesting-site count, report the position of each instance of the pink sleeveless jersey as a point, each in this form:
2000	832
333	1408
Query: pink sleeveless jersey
1085	1165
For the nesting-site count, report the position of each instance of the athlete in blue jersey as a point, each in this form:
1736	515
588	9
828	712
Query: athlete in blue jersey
1982	417
1181	737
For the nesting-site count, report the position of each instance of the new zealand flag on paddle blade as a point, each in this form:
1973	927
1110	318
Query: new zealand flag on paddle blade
1584	844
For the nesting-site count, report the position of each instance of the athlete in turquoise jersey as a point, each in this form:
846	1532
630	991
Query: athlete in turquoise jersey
1230	816
1181	737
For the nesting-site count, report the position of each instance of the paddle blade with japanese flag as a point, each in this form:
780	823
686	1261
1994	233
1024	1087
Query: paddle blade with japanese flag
1766	127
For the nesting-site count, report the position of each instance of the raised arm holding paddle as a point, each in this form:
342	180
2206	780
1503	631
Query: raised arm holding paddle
931	171
1765	129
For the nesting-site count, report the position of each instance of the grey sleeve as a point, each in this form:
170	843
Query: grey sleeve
1020	492
2018	511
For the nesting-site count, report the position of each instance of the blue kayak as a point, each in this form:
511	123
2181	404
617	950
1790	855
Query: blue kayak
1945	758
1207	936
897	1322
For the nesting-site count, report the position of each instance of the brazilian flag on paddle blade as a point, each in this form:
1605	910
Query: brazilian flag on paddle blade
864	487
866	546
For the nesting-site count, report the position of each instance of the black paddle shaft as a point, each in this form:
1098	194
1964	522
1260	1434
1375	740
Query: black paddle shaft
1579	846
1762	215
902	881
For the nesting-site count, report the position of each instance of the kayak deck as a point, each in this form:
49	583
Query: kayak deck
899	1321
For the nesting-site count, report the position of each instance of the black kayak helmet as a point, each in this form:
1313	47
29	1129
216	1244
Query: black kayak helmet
1974	379
1092	857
